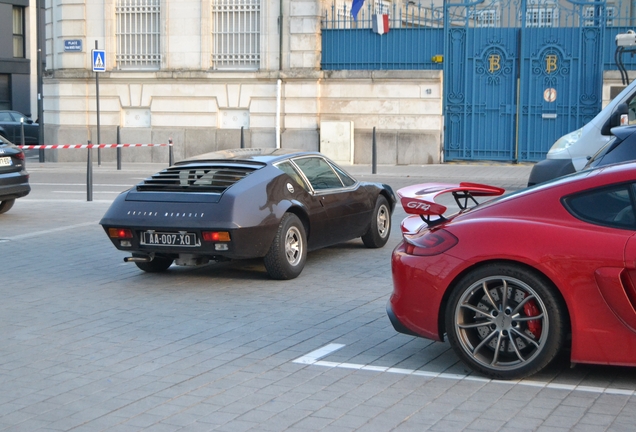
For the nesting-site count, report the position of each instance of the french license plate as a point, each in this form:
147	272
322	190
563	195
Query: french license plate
155	238
5	161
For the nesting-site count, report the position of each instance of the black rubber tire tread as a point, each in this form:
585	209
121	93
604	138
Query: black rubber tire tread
6	205
276	263
555	308
157	265
372	238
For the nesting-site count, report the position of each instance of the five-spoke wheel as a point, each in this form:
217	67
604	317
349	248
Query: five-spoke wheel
378	233
288	252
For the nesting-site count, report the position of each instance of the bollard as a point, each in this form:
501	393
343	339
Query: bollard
374	155
170	153
242	141
22	130
89	175
118	150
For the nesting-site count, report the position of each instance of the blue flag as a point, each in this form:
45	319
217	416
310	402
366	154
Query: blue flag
356	5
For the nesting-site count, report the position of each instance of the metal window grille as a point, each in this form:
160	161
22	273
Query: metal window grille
542	17
485	17
382	7
591	12
138	34
18	31
236	34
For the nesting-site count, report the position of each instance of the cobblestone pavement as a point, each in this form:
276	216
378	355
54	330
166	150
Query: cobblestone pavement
89	343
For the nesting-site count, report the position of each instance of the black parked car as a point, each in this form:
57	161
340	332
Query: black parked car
273	204
620	148
14	180
11	128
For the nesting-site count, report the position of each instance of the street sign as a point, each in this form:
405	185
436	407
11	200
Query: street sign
73	45
99	60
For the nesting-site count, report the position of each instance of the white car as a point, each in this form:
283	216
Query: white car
571	152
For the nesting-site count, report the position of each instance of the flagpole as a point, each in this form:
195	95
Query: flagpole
99	141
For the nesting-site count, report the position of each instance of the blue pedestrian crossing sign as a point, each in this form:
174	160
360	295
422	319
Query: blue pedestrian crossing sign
99	60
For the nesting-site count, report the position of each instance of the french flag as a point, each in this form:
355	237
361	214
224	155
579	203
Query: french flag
380	23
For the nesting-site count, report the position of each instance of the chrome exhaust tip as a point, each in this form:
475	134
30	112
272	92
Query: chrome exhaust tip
137	259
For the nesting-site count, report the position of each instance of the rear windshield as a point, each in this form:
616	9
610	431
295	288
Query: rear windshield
195	178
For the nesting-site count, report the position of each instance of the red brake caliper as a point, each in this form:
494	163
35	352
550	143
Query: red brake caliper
531	309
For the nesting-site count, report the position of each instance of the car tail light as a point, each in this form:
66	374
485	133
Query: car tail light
19	156
428	243
216	236
120	233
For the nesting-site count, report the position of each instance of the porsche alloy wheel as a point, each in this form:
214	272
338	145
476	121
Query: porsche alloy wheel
288	253
6	205
505	321
378	233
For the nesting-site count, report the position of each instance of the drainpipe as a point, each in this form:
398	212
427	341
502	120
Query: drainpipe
40	59
280	37
280	68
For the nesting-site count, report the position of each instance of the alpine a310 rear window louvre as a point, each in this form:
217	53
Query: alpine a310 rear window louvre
195	178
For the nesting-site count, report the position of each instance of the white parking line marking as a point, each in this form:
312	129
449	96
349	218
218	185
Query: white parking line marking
29	199
316	355
80	184
313	358
83	192
39	233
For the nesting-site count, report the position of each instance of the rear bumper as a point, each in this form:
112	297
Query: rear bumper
549	169
246	242
419	285
14	185
397	324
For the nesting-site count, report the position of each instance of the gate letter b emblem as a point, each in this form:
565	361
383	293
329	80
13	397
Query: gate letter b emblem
550	63
494	63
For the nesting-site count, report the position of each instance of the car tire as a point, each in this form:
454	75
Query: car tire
6	205
508	344
157	265
380	229
287	254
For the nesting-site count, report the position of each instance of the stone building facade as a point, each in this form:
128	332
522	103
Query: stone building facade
18	53
181	70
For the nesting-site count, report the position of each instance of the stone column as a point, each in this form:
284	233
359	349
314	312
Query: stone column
305	43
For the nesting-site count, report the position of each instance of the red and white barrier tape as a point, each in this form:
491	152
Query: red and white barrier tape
89	146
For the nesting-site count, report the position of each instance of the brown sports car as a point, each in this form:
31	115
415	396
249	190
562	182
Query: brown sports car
274	204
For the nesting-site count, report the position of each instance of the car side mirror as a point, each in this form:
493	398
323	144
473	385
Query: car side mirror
621	110
615	118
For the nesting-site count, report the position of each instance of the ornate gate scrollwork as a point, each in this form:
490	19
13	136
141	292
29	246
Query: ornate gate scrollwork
519	74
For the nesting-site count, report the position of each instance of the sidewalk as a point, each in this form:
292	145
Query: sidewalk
506	175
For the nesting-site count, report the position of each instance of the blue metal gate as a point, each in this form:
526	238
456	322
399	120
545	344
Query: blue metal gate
519	74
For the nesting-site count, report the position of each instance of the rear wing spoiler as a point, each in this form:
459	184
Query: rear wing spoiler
420	199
